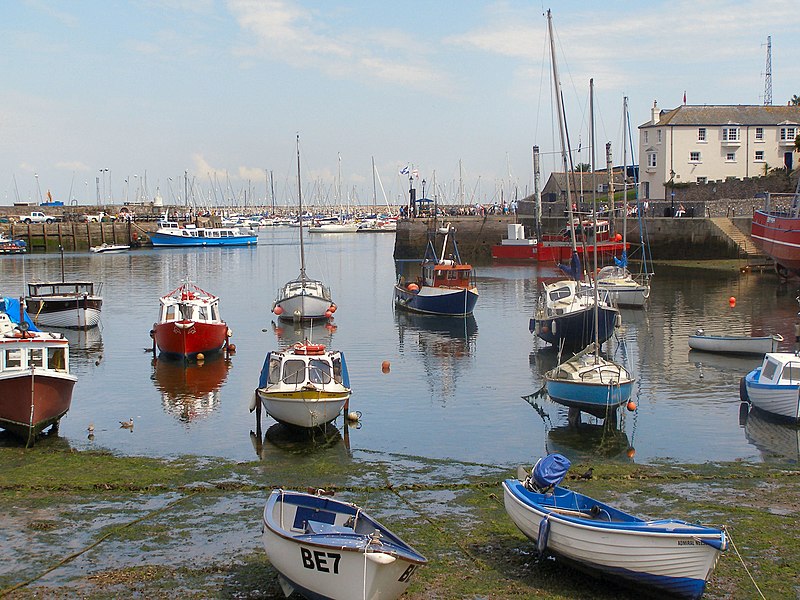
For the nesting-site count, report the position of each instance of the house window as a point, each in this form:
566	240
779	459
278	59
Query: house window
651	159
759	134
694	157
730	134
788	134
730	157
759	156
658	134
646	135
702	179
701	134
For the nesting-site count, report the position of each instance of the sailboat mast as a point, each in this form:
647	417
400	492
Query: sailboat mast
624	174
537	192
300	203
561	126
594	223
374	188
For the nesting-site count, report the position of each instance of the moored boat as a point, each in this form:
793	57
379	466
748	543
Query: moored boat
774	387
776	232
189	323
173	234
734	344
667	555
445	286
9	246
327	549
70	304
304	385
35	382
110	248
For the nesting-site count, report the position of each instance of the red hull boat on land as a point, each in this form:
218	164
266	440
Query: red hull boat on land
189	323
35	383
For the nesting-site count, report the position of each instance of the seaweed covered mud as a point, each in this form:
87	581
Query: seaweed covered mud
95	525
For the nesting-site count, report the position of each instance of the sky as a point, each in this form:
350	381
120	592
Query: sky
122	100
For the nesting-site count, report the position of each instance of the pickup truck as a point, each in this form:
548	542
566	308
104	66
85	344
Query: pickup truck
37	217
99	217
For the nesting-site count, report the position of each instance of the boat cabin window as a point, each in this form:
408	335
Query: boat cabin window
319	371
791	373
274	370
202	313
558	294
769	369
57	359
337	370
36	357
294	371
14	358
452	275
214	312
170	312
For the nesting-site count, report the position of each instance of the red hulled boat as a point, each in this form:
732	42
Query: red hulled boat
189	323
554	248
35	382
777	234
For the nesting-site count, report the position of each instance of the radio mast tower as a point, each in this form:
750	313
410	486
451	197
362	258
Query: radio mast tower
768	74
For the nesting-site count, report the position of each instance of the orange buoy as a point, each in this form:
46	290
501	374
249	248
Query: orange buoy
732	301
386	366
618	237
412	287
328	314
200	357
631	405
332	308
631	452
278	310
232	348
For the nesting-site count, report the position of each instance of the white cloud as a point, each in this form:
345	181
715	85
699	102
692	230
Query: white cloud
287	32
74	165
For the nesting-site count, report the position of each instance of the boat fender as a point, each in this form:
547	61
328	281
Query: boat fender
229	332
544	534
743	395
618	321
254	401
553	327
744	412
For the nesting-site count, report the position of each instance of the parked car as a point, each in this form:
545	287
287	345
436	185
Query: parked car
37	217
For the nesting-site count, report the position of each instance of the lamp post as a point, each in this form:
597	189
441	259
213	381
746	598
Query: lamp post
672	193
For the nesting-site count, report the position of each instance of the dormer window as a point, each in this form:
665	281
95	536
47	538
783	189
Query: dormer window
788	134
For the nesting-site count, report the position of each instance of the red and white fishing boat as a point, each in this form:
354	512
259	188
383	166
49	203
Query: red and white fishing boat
189	324
555	248
35	382
776	232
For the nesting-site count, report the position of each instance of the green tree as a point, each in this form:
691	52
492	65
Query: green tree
583	167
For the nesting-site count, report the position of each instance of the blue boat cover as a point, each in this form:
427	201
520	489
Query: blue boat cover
573	270
262	379
10	306
550	470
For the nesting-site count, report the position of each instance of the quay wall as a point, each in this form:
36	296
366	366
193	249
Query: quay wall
669	238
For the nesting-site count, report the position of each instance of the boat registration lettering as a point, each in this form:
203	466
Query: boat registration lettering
407	573
319	560
689	543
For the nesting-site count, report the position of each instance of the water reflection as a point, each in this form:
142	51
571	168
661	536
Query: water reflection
446	345
190	391
283	439
586	441
725	363
320	332
85	345
773	438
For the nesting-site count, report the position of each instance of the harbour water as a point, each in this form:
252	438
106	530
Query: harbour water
456	389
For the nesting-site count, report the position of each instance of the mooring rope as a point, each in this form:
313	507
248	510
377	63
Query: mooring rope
758	589
97	542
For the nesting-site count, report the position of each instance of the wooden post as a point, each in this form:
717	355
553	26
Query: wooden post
102	232
74	237
60	239
113	233
44	235
30	245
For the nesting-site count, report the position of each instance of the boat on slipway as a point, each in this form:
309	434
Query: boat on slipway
35	381
327	549
171	234
665	555
734	344
189	323
445	287
304	385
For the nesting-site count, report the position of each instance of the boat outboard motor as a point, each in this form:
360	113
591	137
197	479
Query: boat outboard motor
547	473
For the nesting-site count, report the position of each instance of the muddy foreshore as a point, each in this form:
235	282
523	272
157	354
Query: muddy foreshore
94	525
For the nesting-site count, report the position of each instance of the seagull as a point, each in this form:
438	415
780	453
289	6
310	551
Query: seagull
588	474
127	424
90	428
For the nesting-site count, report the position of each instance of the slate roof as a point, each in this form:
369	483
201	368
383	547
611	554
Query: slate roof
741	114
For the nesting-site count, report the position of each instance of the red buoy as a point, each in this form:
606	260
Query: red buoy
278	310
631	405
732	301
386	366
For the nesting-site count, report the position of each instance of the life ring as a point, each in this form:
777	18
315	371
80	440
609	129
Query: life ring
309	349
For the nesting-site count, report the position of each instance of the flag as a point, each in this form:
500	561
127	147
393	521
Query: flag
684	96
415	173
404	171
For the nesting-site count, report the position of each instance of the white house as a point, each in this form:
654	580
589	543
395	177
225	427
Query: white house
701	144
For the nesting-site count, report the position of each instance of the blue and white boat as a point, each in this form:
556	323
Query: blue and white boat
445	287
327	549
669	555
774	387
590	383
173	234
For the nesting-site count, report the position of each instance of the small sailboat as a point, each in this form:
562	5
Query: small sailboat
666	555
304	385
445	287
303	298
624	288
332	550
